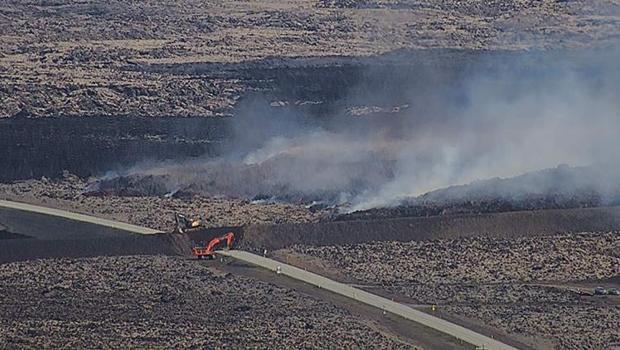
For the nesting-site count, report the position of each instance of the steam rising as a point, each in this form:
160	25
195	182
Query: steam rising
487	123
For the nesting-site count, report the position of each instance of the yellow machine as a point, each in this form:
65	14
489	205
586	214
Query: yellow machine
184	223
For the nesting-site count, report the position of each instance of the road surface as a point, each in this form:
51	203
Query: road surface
459	332
468	336
78	217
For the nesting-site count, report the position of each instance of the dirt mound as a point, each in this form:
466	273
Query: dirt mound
59	237
506	225
47	227
259	237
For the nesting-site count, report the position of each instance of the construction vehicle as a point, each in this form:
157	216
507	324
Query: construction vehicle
600	291
185	224
208	251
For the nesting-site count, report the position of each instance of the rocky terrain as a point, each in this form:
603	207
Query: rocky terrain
523	286
151	211
165	302
285	113
89	58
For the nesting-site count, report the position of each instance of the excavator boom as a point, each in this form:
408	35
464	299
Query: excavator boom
208	251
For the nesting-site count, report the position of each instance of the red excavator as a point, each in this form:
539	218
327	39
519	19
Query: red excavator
209	250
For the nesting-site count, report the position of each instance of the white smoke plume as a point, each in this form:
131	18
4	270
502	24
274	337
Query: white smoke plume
489	123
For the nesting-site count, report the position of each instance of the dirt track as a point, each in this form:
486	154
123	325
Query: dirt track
90	281
92	88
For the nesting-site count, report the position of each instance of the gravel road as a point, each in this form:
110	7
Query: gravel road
457	331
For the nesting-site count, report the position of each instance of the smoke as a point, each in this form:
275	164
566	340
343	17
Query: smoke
509	123
394	136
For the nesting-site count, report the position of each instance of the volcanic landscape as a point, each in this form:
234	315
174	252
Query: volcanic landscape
458	157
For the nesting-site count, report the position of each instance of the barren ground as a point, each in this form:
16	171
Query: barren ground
205	59
91	58
166	302
525	287
517	286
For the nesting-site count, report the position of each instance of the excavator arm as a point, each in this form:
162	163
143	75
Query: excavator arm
208	251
